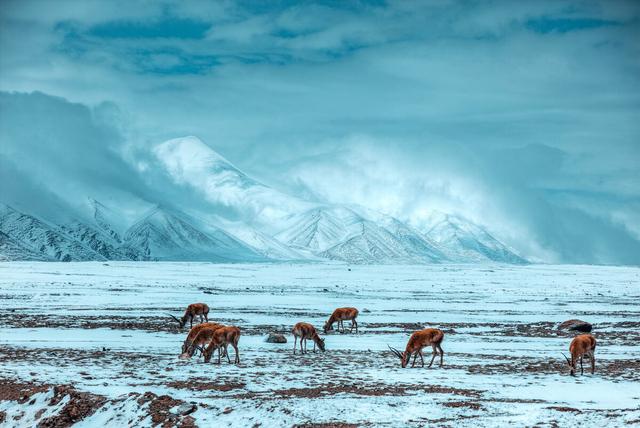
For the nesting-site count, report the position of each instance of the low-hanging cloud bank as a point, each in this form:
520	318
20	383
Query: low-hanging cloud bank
520	115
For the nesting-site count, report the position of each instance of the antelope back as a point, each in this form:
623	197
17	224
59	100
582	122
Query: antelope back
425	337
581	344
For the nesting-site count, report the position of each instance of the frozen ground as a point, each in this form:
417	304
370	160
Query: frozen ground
102	329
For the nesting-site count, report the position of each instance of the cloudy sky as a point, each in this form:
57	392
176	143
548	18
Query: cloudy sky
521	115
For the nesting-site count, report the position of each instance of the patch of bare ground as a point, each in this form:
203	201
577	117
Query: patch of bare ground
198	385
368	390
11	354
325	425
19	391
616	369
160	411
463	404
564	409
79	406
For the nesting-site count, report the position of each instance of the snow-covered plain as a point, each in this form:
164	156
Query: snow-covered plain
503	361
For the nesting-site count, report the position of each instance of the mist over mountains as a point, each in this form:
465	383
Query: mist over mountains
78	183
69	197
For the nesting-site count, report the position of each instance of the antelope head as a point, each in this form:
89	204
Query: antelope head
328	326
404	357
570	365
320	343
208	352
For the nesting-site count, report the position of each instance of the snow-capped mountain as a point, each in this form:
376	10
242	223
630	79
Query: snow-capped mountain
191	162
164	234
10	249
465	241
232	218
341	233
45	239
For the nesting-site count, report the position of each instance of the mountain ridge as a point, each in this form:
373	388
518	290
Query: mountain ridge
266	225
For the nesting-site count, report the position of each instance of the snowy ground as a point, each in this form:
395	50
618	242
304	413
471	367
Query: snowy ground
503	361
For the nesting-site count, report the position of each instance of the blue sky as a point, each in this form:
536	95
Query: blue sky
524	116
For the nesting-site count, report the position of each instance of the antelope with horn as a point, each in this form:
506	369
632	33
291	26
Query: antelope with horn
340	315
194	332
201	339
417	341
581	345
306	331
193	310
221	338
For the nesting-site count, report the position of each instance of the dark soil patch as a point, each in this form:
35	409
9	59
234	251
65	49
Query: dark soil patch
19	391
79	406
369	390
565	409
468	404
159	409
326	425
196	385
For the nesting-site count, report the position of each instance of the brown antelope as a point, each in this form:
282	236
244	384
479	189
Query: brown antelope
221	338
306	331
340	315
193	310
202	338
194	332
417	341
581	345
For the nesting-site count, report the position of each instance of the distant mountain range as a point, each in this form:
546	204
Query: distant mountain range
259	224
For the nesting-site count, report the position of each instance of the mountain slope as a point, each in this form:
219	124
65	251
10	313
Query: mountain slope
10	249
164	234
341	233
465	241
45	239
103	244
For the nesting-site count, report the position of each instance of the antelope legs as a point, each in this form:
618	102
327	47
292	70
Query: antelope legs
237	359
295	343
435	353
441	355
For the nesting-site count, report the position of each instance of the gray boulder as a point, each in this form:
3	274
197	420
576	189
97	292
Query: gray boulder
276	338
576	325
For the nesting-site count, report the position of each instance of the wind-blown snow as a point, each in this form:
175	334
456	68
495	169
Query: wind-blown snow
244	221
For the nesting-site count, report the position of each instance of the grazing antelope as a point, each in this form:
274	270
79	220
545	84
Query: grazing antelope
417	341
194	332
220	339
581	345
340	315
199	309
201	339
306	331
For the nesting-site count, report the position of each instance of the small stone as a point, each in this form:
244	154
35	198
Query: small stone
276	338
227	410
366	311
186	409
